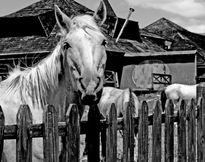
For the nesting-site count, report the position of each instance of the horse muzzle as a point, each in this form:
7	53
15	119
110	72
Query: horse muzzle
90	90
90	99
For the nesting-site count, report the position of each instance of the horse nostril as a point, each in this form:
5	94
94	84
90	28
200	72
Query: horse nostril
81	83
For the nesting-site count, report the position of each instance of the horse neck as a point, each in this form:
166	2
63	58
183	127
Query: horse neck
60	77
65	91
64	94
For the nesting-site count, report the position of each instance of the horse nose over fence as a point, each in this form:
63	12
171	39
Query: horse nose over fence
175	135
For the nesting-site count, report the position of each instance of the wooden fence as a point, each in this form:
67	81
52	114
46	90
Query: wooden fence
190	121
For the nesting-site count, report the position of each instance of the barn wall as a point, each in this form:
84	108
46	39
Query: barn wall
183	73
139	76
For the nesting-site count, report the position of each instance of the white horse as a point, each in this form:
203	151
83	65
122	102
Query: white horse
178	91
72	73
119	97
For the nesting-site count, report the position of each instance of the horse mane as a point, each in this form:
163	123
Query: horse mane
36	82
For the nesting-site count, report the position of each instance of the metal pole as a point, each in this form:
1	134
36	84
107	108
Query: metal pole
131	10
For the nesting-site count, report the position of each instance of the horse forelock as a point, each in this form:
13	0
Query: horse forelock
82	21
87	24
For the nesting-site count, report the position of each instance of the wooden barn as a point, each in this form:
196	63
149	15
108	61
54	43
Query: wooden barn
143	59
181	40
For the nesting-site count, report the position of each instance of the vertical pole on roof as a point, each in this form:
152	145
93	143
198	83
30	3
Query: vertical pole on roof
131	10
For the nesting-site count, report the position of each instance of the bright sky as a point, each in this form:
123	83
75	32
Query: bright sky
189	14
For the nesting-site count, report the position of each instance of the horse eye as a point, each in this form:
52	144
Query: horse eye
104	43
76	68
73	68
101	66
66	45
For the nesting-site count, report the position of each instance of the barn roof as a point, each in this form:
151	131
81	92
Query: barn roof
181	38
70	7
45	39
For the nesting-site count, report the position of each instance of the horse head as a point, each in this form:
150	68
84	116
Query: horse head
83	46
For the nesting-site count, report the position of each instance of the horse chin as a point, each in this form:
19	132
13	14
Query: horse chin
91	99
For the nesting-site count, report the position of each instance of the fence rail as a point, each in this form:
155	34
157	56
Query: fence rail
189	118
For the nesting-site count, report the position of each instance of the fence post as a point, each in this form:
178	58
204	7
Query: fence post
111	135
200	130
103	139
169	131
143	133
72	134
182	132
93	134
50	137
191	132
156	132
201	123
128	133
23	140
2	123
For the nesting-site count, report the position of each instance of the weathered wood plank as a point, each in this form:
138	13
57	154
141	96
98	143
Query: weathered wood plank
169	131
73	134
201	130
50	138
191	132
2	123
143	133
128	133
201	123
156	132
103	136
93	134
182	132
23	140
111	135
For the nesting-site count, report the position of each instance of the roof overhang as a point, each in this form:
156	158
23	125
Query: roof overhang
165	57
22	53
6	57
164	53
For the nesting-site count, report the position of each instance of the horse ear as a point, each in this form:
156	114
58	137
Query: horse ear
100	14
62	20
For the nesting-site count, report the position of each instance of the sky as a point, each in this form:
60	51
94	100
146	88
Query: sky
189	14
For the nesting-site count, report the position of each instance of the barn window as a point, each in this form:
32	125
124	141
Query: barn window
165	79
111	79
